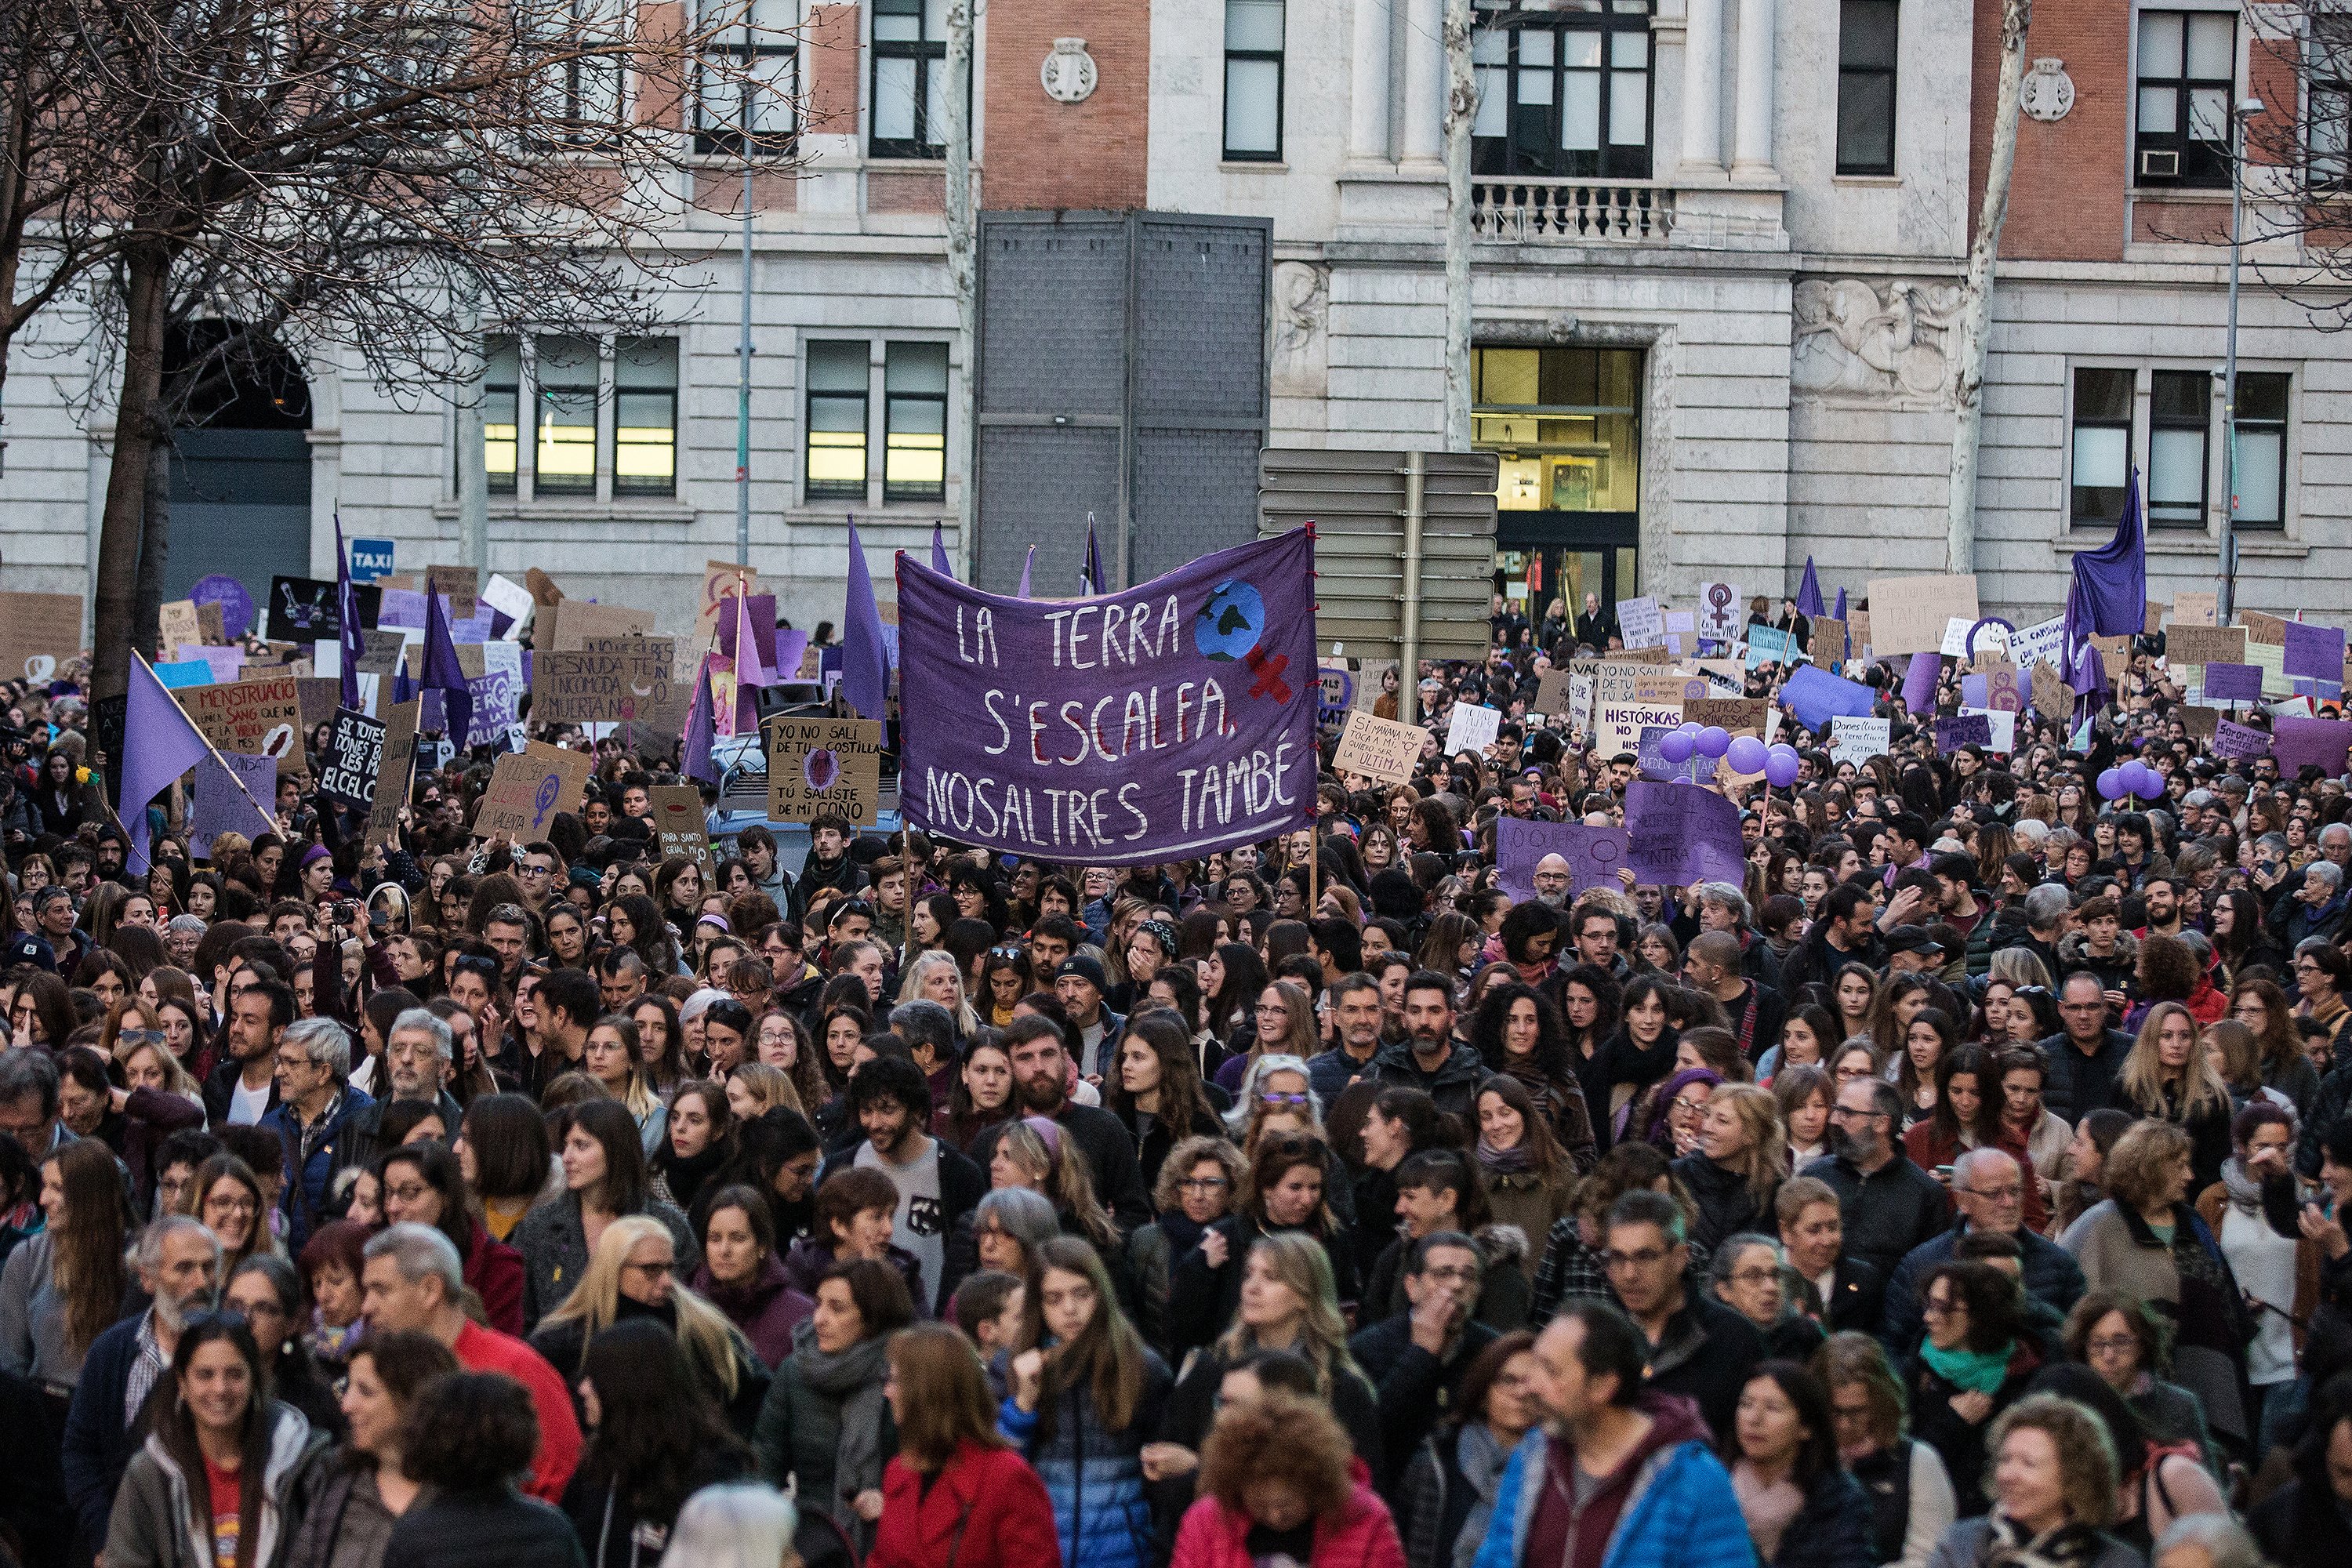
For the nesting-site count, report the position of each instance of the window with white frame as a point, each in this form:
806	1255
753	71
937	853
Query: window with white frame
2186	74
2261	420
2327	101
1253	76
2179	438
909	86
1867	72
2102	445
1562	92
746	80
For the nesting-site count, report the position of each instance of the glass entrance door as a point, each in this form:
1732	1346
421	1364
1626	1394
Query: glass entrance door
1566	424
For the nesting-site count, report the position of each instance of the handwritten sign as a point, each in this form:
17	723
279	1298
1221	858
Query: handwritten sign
355	754
1718	618
260	718
2195	609
1770	645
393	772
462	584
1965	730
1856	740
608	679
526	789
37	633
2233	682
232	794
679	826
2314	652
1552	694
1593	853
1380	749
2310	743
1617	726
1472	729
177	622
2204	644
2233	740
1909	615
1828	635
572	622
1641	623
1680	834
818	767
717	587
2268	630
1732	713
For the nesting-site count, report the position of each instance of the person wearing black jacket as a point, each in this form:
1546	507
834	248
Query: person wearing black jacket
653	1444
1417	1359
1888	1205
1040	1088
938	1187
1699	1348
258	1016
2307	1524
2085	1054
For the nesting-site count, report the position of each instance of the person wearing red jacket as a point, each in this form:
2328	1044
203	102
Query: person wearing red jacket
958	1495
1278	1476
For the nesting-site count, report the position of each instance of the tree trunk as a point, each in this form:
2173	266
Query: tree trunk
135	436
154	543
1460	109
1976	299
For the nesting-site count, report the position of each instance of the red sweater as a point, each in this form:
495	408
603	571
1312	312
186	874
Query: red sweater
1361	1535
986	1510
487	1349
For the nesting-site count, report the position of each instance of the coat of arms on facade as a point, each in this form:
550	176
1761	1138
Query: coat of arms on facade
1068	72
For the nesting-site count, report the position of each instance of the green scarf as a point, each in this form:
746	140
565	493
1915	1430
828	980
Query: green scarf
1970	1371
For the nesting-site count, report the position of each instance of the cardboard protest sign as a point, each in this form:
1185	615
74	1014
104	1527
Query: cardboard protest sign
608	680
1963	730
2114	655
1593	853
2302	743
679	826
1828	635
397	762
2314	652
355	754
261	717
1654	685
462	584
1680	834
1732	713
1617	726
319	695
718	578
1641	623
496	691
1371	676
566	626
2153	619
1472	729
1909	615
38	632
2232	740
818	767
2268	630
2204	644
526	789
1551	694
177	622
1380	749
2201	724
2196	609
1856	740
234	794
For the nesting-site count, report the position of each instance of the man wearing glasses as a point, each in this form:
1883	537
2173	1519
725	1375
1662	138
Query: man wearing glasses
1988	1190
541	872
1699	1348
1888	1205
315	1107
1417	1359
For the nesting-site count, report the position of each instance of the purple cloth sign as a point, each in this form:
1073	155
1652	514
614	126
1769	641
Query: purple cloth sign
1593	853
400	607
1973	692
1816	697
220	806
2314	652
1156	723
1682	834
2238	739
2234	683
1963	730
2320	742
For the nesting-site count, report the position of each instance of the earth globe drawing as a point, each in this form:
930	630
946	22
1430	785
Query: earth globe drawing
1231	622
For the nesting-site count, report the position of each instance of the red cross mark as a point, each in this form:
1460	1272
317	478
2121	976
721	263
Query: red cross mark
1269	675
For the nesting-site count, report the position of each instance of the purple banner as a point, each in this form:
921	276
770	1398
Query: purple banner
1158	723
1682	834
2314	652
2319	741
2238	739
2234	683
1816	697
1593	853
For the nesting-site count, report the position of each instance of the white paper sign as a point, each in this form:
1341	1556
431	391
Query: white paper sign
511	599
1856	740
1472	729
2036	643
1719	619
1956	638
1641	623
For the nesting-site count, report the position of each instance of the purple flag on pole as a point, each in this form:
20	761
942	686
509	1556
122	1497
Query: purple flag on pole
1091	581
1175	718
1839	614
161	743
940	553
751	642
1809	592
443	674
1027	561
864	661
347	615
2109	596
695	760
1919	683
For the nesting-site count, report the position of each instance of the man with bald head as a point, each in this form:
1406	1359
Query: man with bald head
1988	1190
1551	881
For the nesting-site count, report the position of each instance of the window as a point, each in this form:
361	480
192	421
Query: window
565	456
2327	101
915	422
502	393
1564	94
909	92
1567	423
743	88
644	416
580	94
2261	448
2180	423
1865	112
2188	62
838	378
1253	81
2102	438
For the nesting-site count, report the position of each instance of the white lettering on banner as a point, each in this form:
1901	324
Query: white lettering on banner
1116	726
1216	801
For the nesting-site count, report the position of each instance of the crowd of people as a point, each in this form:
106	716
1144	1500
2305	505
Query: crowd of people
1964	1187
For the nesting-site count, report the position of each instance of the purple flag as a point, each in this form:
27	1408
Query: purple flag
1839	614
1163	723
161	743
2090	673
347	616
1027	561
1919	682
695	760
2109	596
443	674
753	632
940	553
1091	581
865	662
1816	697
1809	592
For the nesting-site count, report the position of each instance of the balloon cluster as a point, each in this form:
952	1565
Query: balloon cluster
2134	778
1747	754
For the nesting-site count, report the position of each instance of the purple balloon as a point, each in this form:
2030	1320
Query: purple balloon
1713	741
2139	779
2111	783
1675	747
1745	754
1781	765
1688	727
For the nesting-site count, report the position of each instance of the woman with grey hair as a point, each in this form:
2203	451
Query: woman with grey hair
1751	1277
1009	1226
742	1524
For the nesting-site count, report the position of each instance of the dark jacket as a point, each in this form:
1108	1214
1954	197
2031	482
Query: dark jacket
220	1086
98	1442
1726	1204
308	1180
1203	1300
962	1186
554	1248
1888	1212
613	1531
363	1138
1857	1297
499	1529
1962	1444
1833	1527
2301	1526
1455	1084
1706	1354
2052	1278
1415	1390
1110	1153
2079	1084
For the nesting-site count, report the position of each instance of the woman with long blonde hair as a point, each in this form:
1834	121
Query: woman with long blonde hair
632	1274
2168	1077
1741	1160
934	976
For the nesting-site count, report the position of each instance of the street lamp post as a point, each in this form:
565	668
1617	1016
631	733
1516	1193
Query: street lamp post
2246	109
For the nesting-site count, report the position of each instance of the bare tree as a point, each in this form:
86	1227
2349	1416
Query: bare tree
2296	169
1976	296
354	179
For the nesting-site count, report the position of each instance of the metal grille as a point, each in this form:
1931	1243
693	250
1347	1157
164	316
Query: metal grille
1041	482
1356	499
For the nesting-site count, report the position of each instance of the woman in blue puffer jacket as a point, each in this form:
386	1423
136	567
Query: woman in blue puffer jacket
1086	1395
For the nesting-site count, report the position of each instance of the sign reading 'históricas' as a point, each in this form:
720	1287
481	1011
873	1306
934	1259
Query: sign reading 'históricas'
1168	719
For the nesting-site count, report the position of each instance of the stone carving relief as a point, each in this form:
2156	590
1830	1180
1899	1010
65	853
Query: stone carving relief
1302	321
1863	343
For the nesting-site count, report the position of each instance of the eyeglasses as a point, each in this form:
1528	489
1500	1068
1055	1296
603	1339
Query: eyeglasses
1272	1010
407	1194
2113	1345
1686	1108
1457	1276
1648	1257
535	870
139	1037
1848	1113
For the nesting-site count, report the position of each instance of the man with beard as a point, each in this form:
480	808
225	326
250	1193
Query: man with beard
179	1265
1428	1058
1888	1205
936	1186
1041	1087
1356	1005
1551	880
